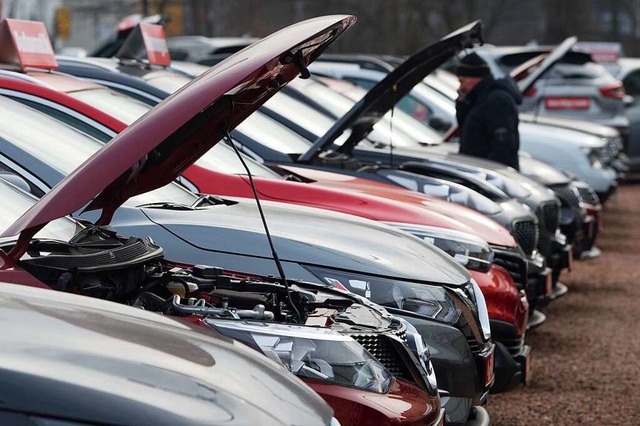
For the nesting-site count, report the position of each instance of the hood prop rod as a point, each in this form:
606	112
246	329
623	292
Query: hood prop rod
274	254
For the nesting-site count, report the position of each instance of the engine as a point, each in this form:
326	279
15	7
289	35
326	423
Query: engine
99	263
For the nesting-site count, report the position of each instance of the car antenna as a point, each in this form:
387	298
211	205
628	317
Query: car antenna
274	254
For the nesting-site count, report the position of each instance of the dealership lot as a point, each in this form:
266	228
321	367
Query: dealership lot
585	368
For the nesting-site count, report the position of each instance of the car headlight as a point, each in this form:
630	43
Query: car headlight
472	252
315	353
431	301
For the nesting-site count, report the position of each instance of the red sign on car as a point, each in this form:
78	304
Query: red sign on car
568	103
26	42
155	43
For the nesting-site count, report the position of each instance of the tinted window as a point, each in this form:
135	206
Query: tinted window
272	134
65	118
222	158
45	138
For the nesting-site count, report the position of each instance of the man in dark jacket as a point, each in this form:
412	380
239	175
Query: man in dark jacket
487	113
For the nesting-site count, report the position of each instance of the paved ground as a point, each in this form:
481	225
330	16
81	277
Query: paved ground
586	363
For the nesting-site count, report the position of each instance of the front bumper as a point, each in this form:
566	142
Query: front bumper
511	370
604	195
513	357
460	370
539	284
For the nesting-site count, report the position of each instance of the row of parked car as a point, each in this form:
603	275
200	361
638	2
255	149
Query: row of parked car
320	222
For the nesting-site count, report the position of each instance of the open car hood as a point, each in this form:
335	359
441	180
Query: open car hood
154	150
383	96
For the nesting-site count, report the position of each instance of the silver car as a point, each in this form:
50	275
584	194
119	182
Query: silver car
628	70
575	87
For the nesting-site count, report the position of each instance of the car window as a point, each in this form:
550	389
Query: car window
65	118
57	144
272	134
589	70
64	148
334	102
300	114
119	106
15	203
415	109
366	84
222	158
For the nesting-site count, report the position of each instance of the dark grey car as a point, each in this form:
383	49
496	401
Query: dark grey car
70	359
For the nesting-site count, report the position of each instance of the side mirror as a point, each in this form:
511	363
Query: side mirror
15	180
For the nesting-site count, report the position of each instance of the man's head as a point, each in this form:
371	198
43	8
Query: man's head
470	71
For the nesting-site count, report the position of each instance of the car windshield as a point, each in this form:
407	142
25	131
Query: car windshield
117	105
332	101
222	158
62	147
167	81
299	114
16	202
272	134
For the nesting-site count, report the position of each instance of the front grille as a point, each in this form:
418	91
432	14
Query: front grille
613	146
588	195
567	195
550	216
384	351
516	266
526	234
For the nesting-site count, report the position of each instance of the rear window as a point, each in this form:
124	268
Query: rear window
589	70
574	65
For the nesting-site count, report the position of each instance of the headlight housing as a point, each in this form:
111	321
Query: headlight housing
472	252
315	353
434	302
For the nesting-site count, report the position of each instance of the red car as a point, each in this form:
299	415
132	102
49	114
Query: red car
507	306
